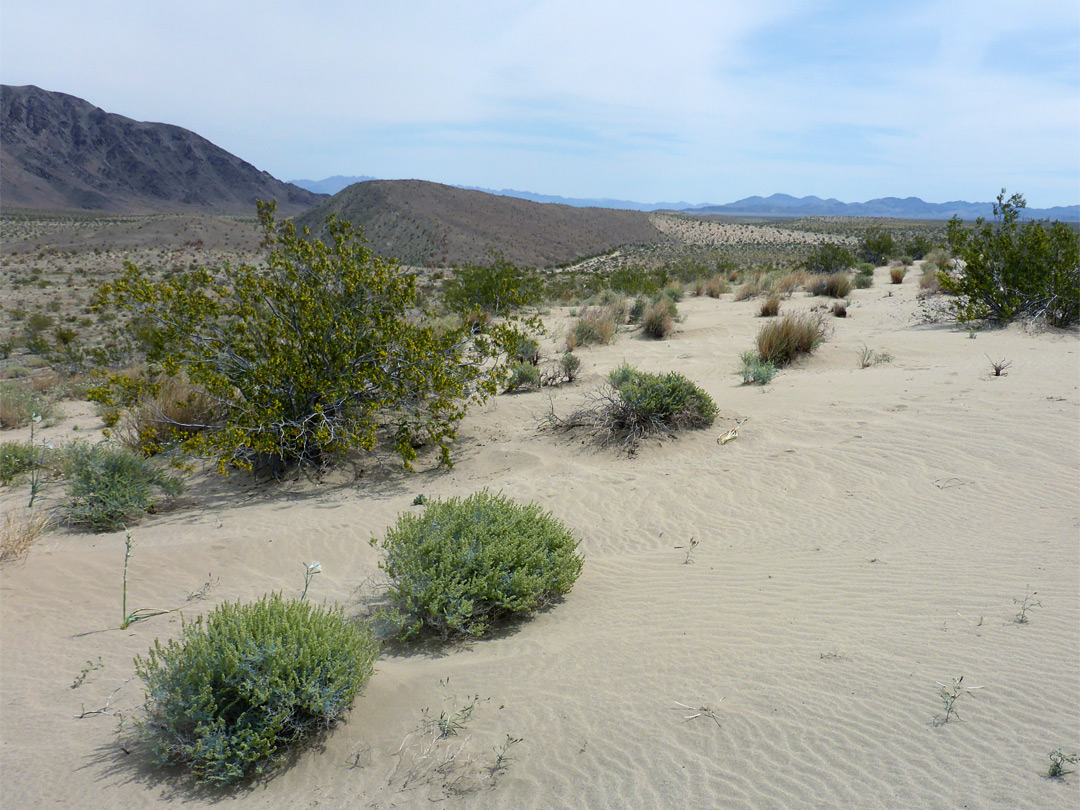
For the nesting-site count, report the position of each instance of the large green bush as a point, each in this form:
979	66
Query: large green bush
317	354
876	246
828	258
249	681
496	288
660	402
1012	269
464	564
110	485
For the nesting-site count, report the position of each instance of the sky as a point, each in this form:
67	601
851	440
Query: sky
682	100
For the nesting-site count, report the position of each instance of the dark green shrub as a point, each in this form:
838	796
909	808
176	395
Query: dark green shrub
462	565
1012	269
918	246
834	285
876	246
636	281
110	485
658	403
782	340
658	321
864	281
249	681
828	258
497	288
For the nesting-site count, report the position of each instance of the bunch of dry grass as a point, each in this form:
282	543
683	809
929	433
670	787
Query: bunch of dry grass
594	325
929	282
770	307
659	319
897	273
839	309
834	285
781	341
716	286
19	530
786	284
174	413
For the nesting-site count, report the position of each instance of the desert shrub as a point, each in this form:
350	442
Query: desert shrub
786	284
659	319
716	286
864	279
569	365
19	530
906	260
247	682
17	458
594	325
673	292
1013	269
756	370
314	356
939	258
523	376
781	341
462	565
897	273
523	349
834	285
637	309
110	485
770	307
929	283
635	280
19	403
876	246
839	310
918	246
828	258
493	289
635	405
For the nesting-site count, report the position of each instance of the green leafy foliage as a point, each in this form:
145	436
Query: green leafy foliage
876	246
1012	269
464	564
110	485
756	370
523	376
17	458
314	356
249	681
652	403
828	258
493	289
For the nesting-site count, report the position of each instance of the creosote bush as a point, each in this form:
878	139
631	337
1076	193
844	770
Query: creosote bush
462	565
782	340
828	258
249	681
317	355
110	485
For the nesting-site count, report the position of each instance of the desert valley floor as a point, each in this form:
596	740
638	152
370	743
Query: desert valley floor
861	543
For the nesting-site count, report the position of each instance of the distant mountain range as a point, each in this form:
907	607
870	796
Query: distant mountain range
59	152
776	205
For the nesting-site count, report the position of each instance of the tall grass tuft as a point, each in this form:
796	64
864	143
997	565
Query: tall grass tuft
783	340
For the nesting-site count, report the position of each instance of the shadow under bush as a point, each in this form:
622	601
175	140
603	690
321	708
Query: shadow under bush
463	565
249	681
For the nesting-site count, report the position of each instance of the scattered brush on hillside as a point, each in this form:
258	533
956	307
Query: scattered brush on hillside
783	340
635	405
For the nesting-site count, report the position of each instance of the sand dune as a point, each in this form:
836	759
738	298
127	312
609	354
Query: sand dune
861	542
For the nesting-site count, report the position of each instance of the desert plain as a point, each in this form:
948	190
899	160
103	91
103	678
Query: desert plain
768	622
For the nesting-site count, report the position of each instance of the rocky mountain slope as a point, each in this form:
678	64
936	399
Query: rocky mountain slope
59	152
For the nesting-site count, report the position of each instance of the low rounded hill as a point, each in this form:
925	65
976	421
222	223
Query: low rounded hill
423	223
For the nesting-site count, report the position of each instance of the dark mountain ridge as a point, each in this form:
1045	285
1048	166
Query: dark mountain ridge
59	152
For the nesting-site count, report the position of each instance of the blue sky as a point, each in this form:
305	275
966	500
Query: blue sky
679	100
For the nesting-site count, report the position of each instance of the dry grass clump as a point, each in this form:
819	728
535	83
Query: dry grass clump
594	325
897	273
781	341
659	319
770	307
839	309
174	413
788	283
19	530
929	283
834	285
716	286
19	403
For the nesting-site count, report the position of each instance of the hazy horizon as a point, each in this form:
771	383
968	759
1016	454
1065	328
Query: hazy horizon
693	101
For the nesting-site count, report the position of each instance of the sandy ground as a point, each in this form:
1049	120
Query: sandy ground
861	543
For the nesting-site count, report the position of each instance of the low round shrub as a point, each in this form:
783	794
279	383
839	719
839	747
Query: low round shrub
463	565
523	376
247	682
660	401
110	485
834	285
756	370
17	458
